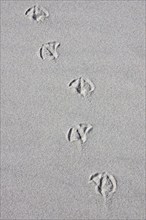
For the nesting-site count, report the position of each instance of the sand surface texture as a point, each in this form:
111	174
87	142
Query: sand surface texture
72	110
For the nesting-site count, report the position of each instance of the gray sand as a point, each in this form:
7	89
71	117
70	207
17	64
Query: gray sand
43	176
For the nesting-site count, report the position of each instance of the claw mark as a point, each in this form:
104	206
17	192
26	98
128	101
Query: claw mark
37	13
49	51
82	86
105	184
79	132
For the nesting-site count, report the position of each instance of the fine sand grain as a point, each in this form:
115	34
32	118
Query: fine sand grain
43	174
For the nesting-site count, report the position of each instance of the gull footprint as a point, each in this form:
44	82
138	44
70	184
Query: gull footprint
37	13
83	87
49	51
105	184
79	133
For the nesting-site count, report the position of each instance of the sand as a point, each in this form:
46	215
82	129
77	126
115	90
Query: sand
43	175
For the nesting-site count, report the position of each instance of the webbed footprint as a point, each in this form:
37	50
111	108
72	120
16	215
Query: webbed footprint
83	87
37	13
79	132
49	51
105	184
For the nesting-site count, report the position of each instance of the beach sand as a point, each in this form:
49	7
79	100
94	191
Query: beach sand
43	175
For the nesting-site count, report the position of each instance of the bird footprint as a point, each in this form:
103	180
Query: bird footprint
82	86
37	13
49	51
105	184
79	133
